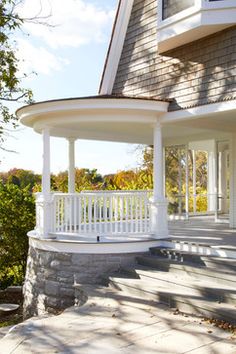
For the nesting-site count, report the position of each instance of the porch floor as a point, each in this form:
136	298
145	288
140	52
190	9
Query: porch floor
203	230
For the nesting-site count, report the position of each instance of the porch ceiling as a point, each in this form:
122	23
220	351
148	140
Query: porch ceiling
112	119
216	120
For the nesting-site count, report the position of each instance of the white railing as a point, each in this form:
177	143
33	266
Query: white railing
113	212
198	204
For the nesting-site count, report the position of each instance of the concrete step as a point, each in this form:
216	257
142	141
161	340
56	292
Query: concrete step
182	282
225	263
176	295
195	270
204	287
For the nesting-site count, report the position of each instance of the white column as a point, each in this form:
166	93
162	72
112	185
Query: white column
46	182
159	225
212	180
158	163
164	170
186	184
223	169
71	168
179	183
194	182
44	212
232	166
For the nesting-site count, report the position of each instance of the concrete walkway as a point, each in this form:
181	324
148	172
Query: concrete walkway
111	322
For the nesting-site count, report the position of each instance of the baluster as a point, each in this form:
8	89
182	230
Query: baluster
70	200
141	212
131	214
116	213
105	214
75	213
90	213
126	214
136	214
79	213
122	214
101	201
95	214
145	213
85	214
111	213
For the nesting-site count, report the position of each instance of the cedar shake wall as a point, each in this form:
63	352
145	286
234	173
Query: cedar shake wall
197	73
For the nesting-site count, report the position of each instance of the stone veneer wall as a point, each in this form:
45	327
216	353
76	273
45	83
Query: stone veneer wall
50	277
201	72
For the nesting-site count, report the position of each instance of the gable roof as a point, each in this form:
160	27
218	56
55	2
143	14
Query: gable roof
116	45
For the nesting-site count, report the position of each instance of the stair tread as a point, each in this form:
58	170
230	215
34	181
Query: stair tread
181	283
229	273
187	278
191	299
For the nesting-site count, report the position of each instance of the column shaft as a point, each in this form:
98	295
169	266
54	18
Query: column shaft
158	164
71	168
159	226
186	185
194	182
46	184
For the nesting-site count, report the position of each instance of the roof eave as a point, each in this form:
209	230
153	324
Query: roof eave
116	45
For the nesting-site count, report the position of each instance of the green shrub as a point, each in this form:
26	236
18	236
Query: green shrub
17	217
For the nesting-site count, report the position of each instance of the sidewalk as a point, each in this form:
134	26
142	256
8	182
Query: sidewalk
113	323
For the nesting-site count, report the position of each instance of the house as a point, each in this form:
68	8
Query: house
169	79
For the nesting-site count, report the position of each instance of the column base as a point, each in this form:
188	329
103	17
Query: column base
44	217
159	218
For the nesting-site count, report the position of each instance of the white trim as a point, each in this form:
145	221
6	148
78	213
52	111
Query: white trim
79	109
116	46
92	248
199	112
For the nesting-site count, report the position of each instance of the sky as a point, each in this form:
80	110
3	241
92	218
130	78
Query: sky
65	59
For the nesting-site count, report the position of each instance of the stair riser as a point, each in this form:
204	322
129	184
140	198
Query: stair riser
191	271
199	260
176	302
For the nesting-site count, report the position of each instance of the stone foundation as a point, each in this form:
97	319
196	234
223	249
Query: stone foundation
50	277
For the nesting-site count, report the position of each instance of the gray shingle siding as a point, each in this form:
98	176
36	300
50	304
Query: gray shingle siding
201	72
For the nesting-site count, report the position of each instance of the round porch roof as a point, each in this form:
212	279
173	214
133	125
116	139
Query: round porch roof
111	118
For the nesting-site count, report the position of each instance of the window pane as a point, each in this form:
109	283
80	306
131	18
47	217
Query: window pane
172	7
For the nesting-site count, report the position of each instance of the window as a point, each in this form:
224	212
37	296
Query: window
172	7
183	21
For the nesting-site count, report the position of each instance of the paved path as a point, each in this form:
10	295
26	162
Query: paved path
113	323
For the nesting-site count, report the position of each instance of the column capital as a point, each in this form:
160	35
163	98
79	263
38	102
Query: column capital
71	140
158	124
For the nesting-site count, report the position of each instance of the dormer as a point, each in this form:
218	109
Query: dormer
183	21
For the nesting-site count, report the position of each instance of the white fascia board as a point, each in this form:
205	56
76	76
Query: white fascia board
116	47
198	112
29	115
53	245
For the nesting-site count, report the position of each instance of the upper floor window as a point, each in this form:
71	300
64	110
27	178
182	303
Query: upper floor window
172	7
183	21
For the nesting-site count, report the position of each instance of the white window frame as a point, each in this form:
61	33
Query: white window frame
220	14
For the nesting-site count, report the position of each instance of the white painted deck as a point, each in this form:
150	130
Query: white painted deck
203	230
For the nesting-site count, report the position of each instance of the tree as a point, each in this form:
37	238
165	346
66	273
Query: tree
17	217
22	178
10	82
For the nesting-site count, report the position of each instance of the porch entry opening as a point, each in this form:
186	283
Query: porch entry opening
197	179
